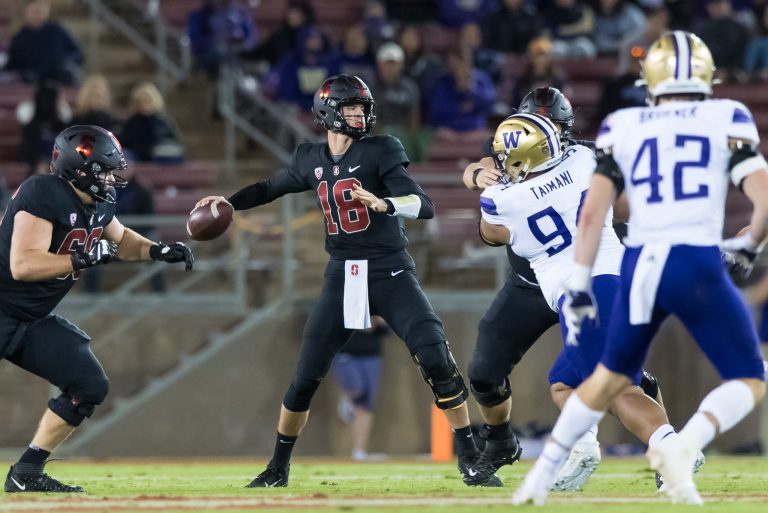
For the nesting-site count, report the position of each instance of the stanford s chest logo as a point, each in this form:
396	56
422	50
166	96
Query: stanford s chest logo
318	172
335	170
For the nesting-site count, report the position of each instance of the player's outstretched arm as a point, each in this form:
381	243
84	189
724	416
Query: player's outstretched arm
30	259
135	247
480	175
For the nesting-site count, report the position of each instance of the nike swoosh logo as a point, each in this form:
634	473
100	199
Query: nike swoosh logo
21	487
353	169
472	472
102	217
395	273
285	442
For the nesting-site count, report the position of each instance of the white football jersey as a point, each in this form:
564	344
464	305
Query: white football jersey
674	159
540	214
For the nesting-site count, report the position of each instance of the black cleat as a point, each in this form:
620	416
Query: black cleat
478	475
272	477
16	483
500	453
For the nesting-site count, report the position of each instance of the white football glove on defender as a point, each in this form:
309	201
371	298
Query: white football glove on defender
579	303
741	252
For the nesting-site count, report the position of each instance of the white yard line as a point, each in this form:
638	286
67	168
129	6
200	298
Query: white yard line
184	503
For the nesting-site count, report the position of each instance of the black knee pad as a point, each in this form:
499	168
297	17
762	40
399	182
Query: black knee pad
300	394
649	384
439	370
490	394
80	400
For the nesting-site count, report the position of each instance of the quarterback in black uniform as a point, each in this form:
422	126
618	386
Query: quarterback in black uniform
364	191
517	318
54	226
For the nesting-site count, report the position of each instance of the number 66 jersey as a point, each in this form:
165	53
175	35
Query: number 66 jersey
674	158
541	214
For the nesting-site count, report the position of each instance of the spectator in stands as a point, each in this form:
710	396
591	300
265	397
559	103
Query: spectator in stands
756	60
656	23
398	102
357	369
461	99
455	13
299	16
616	21
540	70
571	24
726	38
149	135
41	122
620	91
484	59
43	49
377	25
356	56
511	27
297	76
219	32
94	104
422	67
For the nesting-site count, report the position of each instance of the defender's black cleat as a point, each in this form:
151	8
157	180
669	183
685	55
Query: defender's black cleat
16	483
272	477
474	475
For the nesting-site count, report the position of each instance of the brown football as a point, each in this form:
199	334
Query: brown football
209	221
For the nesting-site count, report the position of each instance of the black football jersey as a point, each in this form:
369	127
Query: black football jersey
353	231
75	225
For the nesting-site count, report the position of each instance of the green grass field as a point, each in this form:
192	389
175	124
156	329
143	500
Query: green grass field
622	485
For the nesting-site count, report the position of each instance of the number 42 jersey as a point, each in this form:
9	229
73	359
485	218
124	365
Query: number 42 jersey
674	159
541	214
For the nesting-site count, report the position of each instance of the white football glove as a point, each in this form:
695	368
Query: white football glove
578	305
740	253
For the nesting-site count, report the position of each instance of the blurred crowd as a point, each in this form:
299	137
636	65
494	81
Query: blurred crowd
44	54
489	53
436	67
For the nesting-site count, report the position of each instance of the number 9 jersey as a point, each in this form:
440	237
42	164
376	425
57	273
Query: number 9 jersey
675	160
541	214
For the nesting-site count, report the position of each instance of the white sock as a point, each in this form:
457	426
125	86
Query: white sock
729	404
660	434
588	438
575	420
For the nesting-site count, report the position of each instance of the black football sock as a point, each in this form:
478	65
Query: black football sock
465	443
283	448
499	432
32	461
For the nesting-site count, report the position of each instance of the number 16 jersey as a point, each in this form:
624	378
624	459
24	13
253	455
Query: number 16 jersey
541	214
674	159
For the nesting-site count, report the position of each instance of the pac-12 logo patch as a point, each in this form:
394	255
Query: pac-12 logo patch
72	219
318	172
335	170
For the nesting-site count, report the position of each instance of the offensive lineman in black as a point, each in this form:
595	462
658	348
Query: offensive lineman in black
54	226
363	189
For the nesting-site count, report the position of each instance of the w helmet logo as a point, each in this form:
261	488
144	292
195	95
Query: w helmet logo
511	139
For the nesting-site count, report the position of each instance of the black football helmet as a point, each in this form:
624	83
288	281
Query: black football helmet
340	90
551	103
85	155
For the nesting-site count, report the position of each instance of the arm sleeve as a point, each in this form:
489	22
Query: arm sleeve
284	182
404	196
